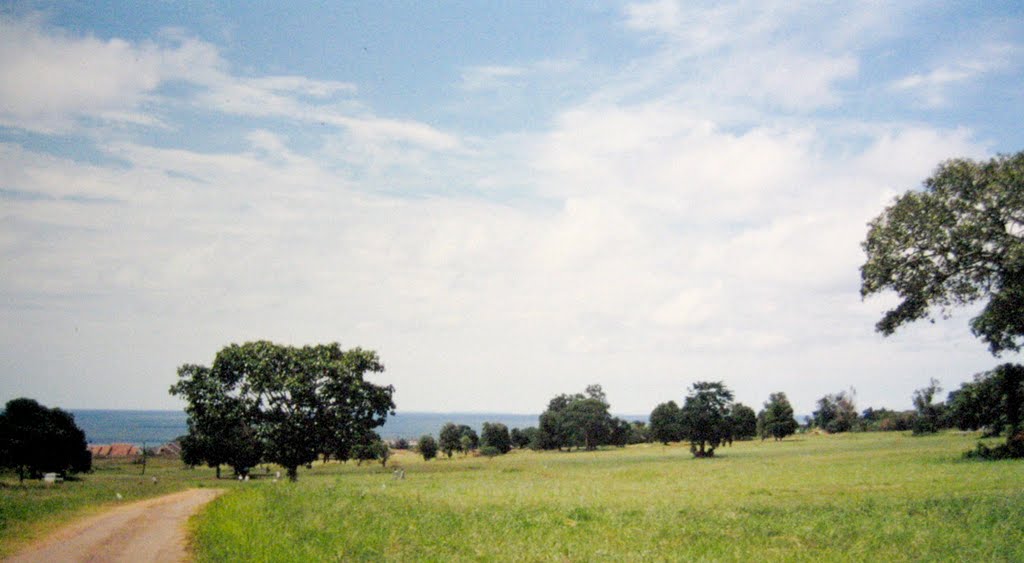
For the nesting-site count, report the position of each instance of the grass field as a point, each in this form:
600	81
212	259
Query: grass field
32	509
880	496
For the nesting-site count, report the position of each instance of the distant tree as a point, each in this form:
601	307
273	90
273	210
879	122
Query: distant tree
639	433
468	439
372	448
705	417
929	414
519	438
36	440
428	447
401	444
666	423
496	435
579	420
450	439
778	421
743	421
589	422
958	241
836	413
978	405
620	431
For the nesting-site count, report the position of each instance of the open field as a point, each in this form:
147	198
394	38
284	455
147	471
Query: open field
33	509
880	496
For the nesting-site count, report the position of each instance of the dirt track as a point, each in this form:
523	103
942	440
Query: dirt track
148	530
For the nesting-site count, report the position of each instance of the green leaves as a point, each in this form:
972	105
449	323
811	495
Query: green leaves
959	241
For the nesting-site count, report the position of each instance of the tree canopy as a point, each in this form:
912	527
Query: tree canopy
297	402
777	420
704	417
958	241
578	420
36	440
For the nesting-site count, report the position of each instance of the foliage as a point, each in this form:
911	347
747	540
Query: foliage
579	420
959	241
450	439
401	444
836	413
639	432
778	420
427	447
929	415
666	423
298	403
887	420
619	432
36	440
704	417
468	439
743	422
495	435
520	437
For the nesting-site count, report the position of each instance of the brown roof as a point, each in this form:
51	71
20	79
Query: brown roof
114	450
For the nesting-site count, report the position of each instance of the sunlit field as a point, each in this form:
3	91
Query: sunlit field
879	496
32	509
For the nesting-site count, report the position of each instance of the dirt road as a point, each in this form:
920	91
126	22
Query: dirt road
148	530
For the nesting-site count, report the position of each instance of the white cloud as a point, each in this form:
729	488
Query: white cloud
933	87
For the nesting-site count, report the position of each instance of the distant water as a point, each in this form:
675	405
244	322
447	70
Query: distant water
159	427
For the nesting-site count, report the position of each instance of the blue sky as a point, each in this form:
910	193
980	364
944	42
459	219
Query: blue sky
506	201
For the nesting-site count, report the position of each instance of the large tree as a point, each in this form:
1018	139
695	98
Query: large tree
301	402
743	422
778	420
958	241
705	417
450	439
36	440
580	420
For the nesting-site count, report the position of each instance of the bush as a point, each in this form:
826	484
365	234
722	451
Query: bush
1012	449
490	451
428	447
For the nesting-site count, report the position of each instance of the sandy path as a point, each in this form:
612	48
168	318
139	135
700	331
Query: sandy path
148	530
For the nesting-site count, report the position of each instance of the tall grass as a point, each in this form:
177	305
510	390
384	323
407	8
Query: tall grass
847	497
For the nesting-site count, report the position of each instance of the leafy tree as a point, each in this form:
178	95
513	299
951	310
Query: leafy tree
639	433
496	435
299	402
666	423
427	447
929	414
579	420
36	440
401	444
520	438
978	405
588	422
450	439
958	241
468	439
743	421
778	421
705	417
836	413
619	432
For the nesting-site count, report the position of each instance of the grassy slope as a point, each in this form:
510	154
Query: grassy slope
850	497
32	509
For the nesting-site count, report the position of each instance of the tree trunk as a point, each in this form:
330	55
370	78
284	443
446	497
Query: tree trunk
293	473
218	471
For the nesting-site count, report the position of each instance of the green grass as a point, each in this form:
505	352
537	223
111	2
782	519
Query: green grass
32	509
847	497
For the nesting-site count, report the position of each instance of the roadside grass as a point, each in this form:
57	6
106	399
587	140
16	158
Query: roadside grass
878	496
32	509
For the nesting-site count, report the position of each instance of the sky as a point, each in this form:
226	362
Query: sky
507	201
